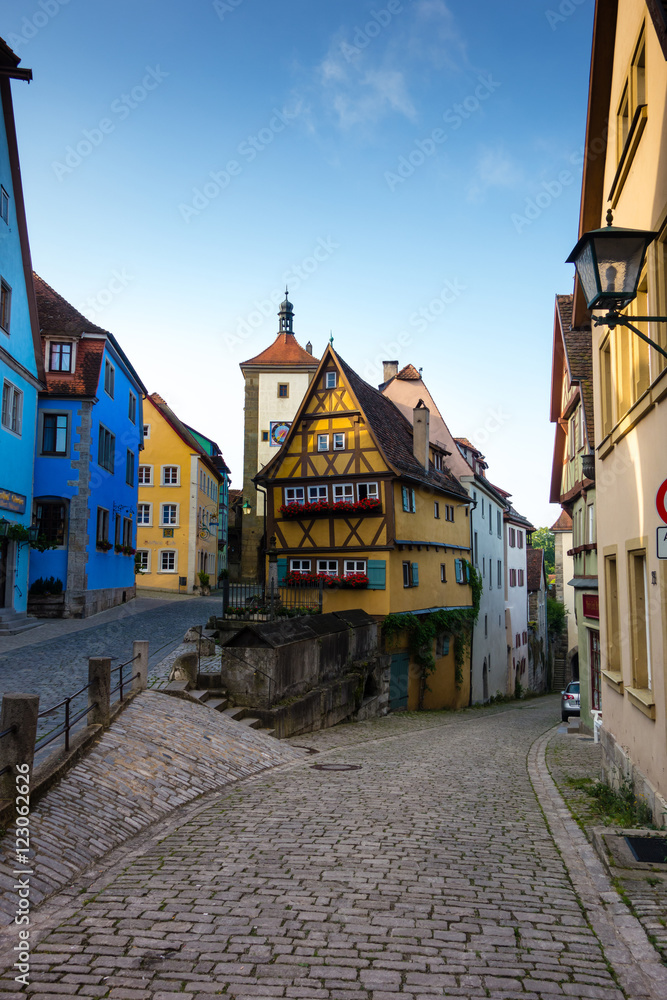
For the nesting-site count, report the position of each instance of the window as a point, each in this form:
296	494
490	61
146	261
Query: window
520	578
368	491
102	525
639	621
591	523
168	514
265	435
339	442
294	494
127	531
144	512
283	390
322	442
490	574
60	357
409	500
132	408
524	637
461	571
633	97
328	566
54	434
171	475
407	575
355	566
500	574
437	460
449	512
443	573
316	493
330	380
442	643
613	621
512	578
51	520
499	519
300	566
343	493
476	550
117	531
4	205
146	431
143	560
5	305
109	378
486	626
129	467
490	519
106	449
519	539
145	477
517	640
482	506
436	509
167	561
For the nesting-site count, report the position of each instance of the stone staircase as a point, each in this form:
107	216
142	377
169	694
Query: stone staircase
218	701
13	622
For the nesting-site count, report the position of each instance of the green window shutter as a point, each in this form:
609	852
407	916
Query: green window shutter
466	567
406	499
413	505
377	574
415	575
282	571
459	570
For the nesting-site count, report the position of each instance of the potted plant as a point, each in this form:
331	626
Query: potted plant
104	546
204	581
46	598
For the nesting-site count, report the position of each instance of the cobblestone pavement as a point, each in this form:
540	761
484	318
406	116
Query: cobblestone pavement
427	870
572	758
54	663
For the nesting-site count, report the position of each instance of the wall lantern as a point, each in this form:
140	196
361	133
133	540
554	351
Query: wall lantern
246	508
4	527
33	533
609	262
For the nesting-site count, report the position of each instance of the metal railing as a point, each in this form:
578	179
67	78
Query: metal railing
269	602
68	723
121	682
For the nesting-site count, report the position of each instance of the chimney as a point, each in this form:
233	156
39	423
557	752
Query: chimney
420	433
309	347
390	368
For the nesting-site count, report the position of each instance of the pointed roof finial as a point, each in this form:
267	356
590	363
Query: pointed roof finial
331	337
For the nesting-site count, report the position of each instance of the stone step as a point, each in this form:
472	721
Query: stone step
18	624
199	694
251	722
234	712
177	687
217	704
267	732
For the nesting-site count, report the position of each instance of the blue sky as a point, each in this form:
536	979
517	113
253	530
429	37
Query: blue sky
411	168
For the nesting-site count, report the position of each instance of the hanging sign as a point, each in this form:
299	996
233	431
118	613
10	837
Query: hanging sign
662	543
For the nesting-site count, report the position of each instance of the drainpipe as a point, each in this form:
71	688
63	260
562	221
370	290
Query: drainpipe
266	501
472	563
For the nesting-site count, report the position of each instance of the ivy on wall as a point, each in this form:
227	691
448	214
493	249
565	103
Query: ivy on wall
423	630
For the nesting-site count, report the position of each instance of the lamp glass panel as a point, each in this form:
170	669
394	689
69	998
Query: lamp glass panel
619	263
588	275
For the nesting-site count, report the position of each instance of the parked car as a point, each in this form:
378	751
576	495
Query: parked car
569	701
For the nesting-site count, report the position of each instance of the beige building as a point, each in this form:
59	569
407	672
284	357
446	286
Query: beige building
627	114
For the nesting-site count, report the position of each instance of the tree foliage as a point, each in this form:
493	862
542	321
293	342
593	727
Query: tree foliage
556	617
545	539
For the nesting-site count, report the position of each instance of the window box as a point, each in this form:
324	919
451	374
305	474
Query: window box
370	505
103	546
357	581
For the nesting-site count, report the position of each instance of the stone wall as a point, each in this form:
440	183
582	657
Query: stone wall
618	769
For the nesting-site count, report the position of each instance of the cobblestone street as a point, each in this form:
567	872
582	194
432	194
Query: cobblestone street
428	869
52	660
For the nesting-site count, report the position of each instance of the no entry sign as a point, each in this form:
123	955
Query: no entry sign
661	501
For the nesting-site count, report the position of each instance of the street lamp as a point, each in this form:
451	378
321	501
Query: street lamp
609	263
246	508
4	527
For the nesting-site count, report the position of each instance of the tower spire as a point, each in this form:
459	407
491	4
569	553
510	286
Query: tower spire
286	316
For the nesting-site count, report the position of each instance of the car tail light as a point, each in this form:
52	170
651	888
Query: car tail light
569	697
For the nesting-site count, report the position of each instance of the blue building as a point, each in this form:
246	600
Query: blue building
89	435
21	368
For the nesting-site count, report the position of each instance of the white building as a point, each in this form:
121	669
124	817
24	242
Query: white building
487	551
517	531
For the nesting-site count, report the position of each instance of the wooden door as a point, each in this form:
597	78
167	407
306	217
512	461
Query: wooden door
398	681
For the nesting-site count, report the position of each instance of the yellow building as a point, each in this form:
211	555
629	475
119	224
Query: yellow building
355	491
625	170
177	512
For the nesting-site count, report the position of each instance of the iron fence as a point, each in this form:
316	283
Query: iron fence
270	602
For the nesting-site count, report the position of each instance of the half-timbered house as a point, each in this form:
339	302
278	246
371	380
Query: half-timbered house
358	495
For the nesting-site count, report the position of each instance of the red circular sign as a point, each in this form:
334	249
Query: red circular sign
661	501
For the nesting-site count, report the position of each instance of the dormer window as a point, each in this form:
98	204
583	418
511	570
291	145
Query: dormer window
60	357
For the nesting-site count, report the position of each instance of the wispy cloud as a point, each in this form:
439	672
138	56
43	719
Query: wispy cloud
360	93
495	168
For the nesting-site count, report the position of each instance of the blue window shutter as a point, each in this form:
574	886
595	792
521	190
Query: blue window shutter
415	575
406	500
377	574
282	571
458	569
467	572
413	506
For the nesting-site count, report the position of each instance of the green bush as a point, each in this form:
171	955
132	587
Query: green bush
43	588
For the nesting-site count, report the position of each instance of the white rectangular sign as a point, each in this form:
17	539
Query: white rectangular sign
662	542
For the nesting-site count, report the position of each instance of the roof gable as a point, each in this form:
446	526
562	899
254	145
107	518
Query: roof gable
285	351
181	429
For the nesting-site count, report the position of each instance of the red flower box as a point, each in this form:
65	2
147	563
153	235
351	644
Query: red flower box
371	505
358	580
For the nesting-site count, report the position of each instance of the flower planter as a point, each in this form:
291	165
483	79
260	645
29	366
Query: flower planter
322	508
358	581
46	605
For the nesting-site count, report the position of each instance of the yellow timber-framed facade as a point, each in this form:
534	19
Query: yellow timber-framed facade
354	490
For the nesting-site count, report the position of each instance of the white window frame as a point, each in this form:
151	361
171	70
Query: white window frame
322	442
6	309
168	552
132	408
328	566
372	491
352	566
149	507
109	378
147	553
294	489
436	509
301	567
330	380
169	524
43	414
346	498
12	407
163	481
317	493
339	445
146	431
150	475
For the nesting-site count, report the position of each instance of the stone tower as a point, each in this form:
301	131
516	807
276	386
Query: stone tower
275	383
